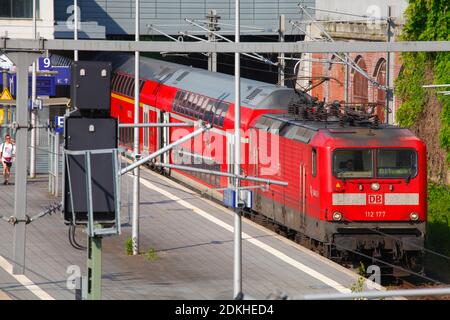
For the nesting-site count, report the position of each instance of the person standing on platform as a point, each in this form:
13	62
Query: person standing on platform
7	154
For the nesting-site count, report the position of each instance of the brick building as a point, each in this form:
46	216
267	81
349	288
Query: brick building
330	78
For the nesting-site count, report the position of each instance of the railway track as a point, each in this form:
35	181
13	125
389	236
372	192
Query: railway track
389	279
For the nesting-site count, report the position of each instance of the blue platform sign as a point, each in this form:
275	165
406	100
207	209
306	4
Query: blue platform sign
63	75
59	124
44	64
45	86
229	198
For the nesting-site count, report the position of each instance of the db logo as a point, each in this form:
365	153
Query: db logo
375	198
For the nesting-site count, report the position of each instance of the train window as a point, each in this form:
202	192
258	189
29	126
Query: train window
314	162
224	112
207	115
123	84
177	97
219	107
131	92
212	112
396	163
184	103
203	108
177	101
127	86
113	82
197	112
119	83
194	106
353	163
131	87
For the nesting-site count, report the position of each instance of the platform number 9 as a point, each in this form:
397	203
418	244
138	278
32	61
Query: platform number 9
46	63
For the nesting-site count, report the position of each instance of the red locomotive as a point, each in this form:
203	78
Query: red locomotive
355	186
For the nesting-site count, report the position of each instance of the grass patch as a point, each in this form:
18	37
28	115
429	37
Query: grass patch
152	255
438	232
358	286
129	246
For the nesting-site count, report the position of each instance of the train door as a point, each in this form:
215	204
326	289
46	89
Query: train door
230	157
302	194
159	130
253	148
165	139
145	131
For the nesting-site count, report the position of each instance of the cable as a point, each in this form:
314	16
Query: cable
72	239
243	67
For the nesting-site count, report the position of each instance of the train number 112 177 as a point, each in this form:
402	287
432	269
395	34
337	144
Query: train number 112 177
375	214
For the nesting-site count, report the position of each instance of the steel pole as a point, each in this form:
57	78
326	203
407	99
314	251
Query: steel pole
389	83
33	101
346	79
75	27
94	264
22	61
237	271
136	191
56	189
212	56
281	60
388	66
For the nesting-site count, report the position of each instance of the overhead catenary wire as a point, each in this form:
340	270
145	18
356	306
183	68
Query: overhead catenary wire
347	59
253	55
345	13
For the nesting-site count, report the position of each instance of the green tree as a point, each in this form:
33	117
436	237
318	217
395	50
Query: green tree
426	20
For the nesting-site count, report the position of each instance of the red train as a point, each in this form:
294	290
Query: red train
355	186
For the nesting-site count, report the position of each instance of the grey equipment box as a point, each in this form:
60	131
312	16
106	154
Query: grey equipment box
82	133
91	85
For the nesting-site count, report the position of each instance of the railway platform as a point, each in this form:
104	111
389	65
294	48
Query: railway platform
186	245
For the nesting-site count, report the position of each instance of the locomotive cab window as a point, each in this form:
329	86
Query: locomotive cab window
352	163
396	163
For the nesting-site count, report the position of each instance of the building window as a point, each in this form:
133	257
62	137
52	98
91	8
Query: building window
360	83
18	8
380	98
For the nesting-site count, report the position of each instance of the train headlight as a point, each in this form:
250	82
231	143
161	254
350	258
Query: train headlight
375	186
337	216
414	216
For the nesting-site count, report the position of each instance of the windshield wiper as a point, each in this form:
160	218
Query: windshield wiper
408	178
